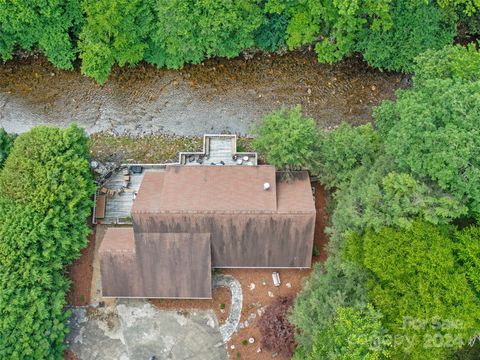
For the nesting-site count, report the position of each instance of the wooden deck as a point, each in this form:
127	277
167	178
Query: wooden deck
218	150
118	206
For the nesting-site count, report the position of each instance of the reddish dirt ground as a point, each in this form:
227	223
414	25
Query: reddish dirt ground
220	303
80	273
321	221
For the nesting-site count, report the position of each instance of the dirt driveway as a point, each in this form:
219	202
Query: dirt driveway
136	330
217	96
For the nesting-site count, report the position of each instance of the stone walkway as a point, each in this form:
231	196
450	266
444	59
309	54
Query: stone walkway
233	318
136	330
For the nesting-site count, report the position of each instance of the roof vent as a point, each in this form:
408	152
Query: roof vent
266	186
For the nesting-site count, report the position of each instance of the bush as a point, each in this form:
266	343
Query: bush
45	198
277	332
288	140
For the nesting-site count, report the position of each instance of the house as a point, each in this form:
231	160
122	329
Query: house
187	220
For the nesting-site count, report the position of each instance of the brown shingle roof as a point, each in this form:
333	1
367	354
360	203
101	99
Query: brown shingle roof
296	195
160	265
207	189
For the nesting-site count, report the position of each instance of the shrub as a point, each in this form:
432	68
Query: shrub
277	332
457	62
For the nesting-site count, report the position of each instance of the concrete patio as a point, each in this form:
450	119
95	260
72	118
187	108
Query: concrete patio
136	330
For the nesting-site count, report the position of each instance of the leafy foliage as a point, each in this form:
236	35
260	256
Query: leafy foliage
433	133
415	28
288	140
114	32
45	190
333	284
452	62
344	150
468	254
413	276
40	24
188	31
6	143
277	332
354	334
270	36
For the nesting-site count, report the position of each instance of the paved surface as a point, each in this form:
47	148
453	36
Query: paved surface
135	330
233	319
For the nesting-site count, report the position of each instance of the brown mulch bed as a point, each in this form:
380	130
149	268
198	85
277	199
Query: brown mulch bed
80	272
321	220
220	303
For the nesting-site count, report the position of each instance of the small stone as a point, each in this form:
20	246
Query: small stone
251	286
246	323
251	340
270	294
274	355
264	283
232	347
288	285
309	91
259	350
374	88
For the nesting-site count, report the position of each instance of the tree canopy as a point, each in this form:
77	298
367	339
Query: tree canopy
45	198
388	33
414	278
288	140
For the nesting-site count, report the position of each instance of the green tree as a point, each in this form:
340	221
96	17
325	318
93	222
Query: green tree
45	198
189	31
415	282
114	32
6	143
433	133
344	150
354	334
331	285
44	25
457	63
288	140
468	254
415	28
